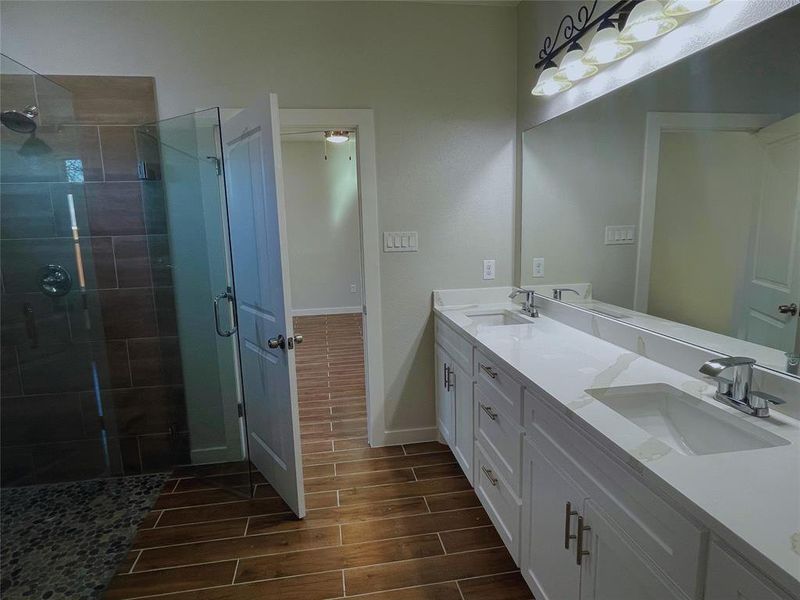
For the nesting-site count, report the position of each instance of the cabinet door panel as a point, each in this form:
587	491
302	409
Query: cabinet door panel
730	578
547	565
444	396
614	569
464	417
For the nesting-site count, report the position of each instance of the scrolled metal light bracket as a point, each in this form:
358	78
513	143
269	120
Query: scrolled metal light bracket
574	28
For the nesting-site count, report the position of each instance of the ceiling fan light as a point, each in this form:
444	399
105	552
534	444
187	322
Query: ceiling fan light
646	22
605	48
677	8
573	69
547	85
337	137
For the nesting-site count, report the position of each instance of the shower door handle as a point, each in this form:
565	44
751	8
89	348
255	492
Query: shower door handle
227	295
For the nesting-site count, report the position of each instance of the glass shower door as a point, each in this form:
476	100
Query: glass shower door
180	161
56	361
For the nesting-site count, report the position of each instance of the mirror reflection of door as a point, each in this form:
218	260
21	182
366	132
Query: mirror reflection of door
773	282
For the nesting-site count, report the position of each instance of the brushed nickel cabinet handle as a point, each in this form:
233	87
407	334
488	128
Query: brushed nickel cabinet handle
451	384
446	376
488	370
489	475
488	410
580	553
569	513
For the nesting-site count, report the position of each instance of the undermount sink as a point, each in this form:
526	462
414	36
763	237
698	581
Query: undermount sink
497	318
683	422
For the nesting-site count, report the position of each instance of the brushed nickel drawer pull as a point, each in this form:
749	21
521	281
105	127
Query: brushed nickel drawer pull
488	370
567	522
580	553
488	410
489	475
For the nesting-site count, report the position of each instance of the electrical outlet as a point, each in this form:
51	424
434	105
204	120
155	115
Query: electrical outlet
488	269
538	267
353	288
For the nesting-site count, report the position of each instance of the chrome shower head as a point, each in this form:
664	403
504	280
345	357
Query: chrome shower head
21	121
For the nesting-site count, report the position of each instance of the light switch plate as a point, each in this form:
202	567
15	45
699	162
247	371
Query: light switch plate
488	269
538	267
400	241
620	234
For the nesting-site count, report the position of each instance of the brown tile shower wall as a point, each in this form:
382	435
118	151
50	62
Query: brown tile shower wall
124	323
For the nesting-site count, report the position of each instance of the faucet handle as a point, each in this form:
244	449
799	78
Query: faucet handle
768	397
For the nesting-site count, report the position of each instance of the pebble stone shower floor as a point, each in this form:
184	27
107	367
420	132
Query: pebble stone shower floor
64	541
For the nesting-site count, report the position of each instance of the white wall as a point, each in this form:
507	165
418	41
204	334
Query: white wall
440	78
323	225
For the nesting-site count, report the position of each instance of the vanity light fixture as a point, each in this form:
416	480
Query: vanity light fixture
605	46
572	68
337	136
547	85
678	8
637	21
647	21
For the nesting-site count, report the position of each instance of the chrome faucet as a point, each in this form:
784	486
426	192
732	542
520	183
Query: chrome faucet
737	392
528	307
558	291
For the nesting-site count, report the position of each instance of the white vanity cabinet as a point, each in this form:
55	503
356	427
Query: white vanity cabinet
445	395
582	522
454	395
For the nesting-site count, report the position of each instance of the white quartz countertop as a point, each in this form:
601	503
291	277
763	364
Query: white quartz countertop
751	499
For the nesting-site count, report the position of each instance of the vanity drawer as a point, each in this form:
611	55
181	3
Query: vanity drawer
459	349
502	505
500	436
499	385
669	538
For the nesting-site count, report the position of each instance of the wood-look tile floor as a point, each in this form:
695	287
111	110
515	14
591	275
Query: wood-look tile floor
393	523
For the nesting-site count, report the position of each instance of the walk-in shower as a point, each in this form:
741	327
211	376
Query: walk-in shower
112	248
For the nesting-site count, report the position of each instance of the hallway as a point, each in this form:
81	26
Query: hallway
330	382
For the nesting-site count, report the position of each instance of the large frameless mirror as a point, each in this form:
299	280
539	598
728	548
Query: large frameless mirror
672	204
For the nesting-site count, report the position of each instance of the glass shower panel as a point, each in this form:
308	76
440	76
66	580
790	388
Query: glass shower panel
55	363
181	162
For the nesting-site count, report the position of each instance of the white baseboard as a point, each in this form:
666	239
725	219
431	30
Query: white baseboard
337	310
410	436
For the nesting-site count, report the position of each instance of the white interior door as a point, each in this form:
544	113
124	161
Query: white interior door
773	282
251	141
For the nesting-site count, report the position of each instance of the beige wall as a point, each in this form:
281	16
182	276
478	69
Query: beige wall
322	224
708	184
440	78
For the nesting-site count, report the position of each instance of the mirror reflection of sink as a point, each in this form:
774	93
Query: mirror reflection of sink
496	318
683	422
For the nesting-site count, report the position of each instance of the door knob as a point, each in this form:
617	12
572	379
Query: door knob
277	342
298	339
788	309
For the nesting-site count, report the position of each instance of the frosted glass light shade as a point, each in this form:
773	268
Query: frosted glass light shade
337	137
573	68
646	21
677	8
547	85
605	48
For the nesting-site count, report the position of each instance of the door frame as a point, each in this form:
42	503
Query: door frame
362	120
656	124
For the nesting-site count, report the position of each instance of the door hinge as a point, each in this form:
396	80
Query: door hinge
240	409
